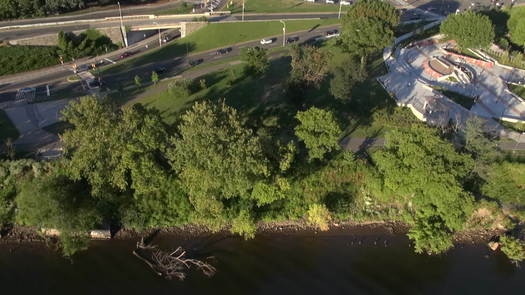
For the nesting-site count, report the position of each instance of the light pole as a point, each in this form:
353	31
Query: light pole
122	28
340	7
160	41
284	32
242	10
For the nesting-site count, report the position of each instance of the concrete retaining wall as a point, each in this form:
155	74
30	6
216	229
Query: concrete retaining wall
190	27
52	39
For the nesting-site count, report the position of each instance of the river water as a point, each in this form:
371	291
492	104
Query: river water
296	263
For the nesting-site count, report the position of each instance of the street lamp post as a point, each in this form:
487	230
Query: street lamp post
340	7
122	28
284	32
242	10
160	41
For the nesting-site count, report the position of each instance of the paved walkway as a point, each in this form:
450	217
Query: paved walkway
412	86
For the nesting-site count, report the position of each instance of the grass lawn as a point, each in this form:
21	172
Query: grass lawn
463	100
183	8
216	35
258	6
518	90
7	129
16	59
264	103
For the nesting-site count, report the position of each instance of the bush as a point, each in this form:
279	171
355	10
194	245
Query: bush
319	216
180	88
513	248
16	59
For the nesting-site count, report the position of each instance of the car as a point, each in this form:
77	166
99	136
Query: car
223	51
126	54
92	83
195	62
83	68
292	39
266	41
330	2
160	70
343	2
332	33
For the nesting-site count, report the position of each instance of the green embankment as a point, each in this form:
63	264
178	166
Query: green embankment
259	6
16	59
216	35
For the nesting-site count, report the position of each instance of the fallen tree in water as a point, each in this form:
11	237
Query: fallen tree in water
171	265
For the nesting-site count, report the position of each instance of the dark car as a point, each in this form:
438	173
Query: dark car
126	54
292	39
224	51
160	70
195	62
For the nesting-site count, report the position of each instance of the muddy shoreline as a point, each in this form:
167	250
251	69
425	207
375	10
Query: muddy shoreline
28	235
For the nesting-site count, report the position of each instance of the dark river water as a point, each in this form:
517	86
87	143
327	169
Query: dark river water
332	263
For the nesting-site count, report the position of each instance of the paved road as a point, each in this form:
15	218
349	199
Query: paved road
112	11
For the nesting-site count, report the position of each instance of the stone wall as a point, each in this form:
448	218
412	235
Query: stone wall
190	27
52	39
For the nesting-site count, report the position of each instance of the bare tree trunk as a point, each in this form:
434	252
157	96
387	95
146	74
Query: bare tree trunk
170	265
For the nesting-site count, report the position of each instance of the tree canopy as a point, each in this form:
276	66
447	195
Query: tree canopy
256	60
309	65
469	29
369	27
216	157
346	75
427	173
319	131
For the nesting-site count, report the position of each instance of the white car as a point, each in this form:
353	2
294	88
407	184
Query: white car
343	2
330	2
266	41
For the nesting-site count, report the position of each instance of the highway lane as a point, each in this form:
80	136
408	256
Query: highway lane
112	12
173	66
14	34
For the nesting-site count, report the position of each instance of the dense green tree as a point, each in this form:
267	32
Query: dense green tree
346	75
256	60
154	78
375	9
53	201
517	15
89	43
505	182
425	172
138	81
11	174
319	131
478	144
244	225
364	36
513	248
369	27
309	65
216	157
114	150
469	29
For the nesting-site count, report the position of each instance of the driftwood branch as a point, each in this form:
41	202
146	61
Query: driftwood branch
170	265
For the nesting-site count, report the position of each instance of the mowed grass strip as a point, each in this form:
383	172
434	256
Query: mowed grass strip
216	35
258	6
16	59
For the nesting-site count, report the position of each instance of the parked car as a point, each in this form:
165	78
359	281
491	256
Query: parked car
292	39
343	2
224	51
126	54
333	33
83	68
330	2
266	41
195	62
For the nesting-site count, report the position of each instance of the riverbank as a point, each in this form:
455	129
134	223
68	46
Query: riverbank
368	230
